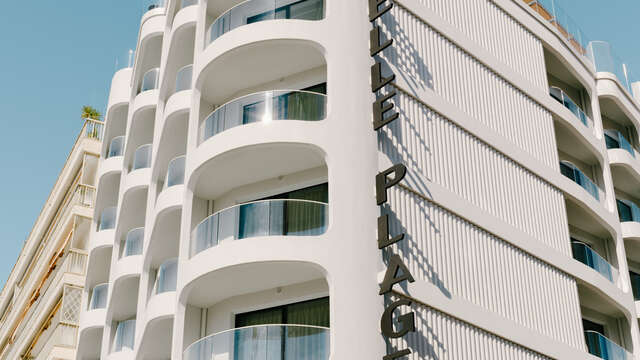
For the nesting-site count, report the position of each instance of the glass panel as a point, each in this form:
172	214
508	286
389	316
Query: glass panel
142	157
108	219
565	100
186	3
606	60
261	317
99	297
581	179
253	11
600	346
125	336
133	242
261	218
116	147
624	211
167	276
150	80
265	107
589	257
183	78
125	60
635	285
263	342
560	19
175	172
611	142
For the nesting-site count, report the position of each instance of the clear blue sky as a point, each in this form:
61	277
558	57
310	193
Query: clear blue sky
59	55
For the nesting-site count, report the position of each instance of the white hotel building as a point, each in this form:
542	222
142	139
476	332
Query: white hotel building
236	213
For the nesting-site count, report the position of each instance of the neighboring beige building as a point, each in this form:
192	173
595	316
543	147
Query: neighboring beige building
40	302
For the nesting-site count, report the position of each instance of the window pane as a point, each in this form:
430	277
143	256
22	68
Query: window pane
624	211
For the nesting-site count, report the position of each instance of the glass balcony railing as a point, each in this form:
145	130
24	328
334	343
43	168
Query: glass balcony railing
253	11
99	297
142	157
592	259
615	140
600	346
175	172
186	3
150	80
183	78
606	60
133	242
167	277
116	147
581	179
261	218
148	5
551	12
265	107
125	336
125	60
108	218
565	100
628	211
269	342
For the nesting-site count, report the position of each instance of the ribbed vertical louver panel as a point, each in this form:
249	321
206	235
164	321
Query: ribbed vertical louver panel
496	31
432	61
466	261
448	155
439	336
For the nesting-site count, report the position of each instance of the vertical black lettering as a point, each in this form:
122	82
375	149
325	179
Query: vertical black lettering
377	81
380	109
375	11
406	321
397	354
397	272
383	182
374	43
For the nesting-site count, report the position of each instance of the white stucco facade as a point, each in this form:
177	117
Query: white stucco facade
238	176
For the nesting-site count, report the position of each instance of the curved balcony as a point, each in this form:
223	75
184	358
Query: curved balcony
615	140
125	336
606	60
150	80
167	278
116	147
604	348
186	3
253	11
569	170
285	342
133	243
99	297
184	78
142	157
565	100
265	107
175	172
592	259
261	218
108	218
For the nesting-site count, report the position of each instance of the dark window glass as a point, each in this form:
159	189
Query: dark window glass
313	312
635	284
301	10
624	211
611	142
567	171
592	326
